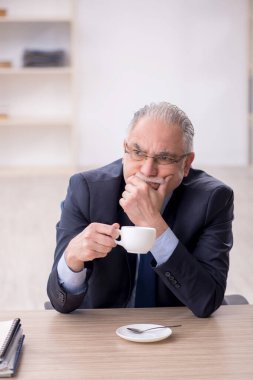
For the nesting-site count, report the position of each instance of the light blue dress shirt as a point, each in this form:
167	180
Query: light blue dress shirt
74	282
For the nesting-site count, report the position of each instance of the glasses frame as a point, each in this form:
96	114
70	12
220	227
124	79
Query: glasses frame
143	156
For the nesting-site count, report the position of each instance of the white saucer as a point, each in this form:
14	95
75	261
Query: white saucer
148	336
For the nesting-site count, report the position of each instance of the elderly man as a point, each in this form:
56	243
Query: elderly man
154	185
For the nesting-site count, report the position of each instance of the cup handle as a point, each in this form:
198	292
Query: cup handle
119	241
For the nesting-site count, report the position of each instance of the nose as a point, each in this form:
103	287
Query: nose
149	167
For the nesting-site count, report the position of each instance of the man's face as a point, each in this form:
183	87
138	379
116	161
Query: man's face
155	138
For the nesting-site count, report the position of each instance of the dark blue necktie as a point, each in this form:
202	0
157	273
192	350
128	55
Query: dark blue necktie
145	288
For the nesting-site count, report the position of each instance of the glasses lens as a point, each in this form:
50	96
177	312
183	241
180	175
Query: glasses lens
137	155
163	159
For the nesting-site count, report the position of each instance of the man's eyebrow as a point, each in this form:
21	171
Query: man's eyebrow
166	153
162	153
137	146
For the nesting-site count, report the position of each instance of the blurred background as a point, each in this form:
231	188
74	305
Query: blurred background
73	72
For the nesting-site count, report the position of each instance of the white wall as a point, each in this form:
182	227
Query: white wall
190	52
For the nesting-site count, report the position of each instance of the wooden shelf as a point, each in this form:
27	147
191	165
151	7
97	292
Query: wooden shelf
36	19
38	101
50	122
36	70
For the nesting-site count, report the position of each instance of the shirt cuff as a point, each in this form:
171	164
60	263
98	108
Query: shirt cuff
72	282
164	246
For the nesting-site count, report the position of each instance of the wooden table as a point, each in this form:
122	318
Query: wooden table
83	345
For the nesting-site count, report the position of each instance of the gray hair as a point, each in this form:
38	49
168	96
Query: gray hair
169	113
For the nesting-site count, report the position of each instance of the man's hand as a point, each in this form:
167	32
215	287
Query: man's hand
142	202
95	241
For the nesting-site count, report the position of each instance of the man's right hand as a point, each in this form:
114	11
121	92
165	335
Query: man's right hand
95	241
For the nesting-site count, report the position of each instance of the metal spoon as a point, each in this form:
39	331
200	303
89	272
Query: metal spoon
139	331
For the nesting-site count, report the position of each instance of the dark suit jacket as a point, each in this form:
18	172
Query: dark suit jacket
200	213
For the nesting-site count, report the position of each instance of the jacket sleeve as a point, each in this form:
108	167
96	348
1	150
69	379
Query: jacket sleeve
74	218
197	273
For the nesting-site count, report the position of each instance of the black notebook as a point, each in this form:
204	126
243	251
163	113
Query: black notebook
8	330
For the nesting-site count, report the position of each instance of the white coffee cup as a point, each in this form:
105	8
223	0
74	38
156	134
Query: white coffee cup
137	239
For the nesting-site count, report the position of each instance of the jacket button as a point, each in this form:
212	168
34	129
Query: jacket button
61	297
169	276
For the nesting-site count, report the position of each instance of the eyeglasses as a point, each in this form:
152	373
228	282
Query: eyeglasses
160	159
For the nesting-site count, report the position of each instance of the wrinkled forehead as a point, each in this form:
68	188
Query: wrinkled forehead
156	133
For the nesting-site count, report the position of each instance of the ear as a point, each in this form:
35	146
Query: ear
188	162
124	147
